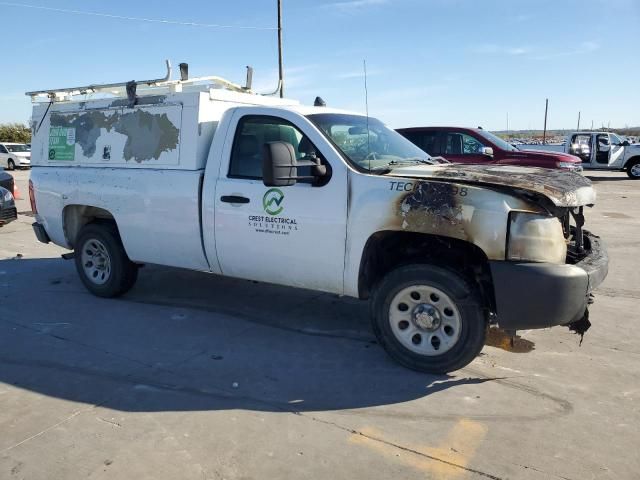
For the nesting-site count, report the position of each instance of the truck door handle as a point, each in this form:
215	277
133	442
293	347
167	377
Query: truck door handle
234	199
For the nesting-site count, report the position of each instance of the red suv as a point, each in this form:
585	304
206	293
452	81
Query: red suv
475	145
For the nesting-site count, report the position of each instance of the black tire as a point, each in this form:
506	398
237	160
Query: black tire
472	330
11	165
634	175
123	273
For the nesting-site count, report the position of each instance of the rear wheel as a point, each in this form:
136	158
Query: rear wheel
633	169
11	165
428	318
101	261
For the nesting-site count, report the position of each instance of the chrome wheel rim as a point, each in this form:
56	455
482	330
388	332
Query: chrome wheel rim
96	262
635	170
425	320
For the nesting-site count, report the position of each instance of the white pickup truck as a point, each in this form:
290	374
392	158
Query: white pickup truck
605	151
188	174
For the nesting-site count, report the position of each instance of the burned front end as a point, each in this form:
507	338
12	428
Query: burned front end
538	294
529	224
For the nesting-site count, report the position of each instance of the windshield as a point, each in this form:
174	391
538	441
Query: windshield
500	143
17	148
368	143
615	140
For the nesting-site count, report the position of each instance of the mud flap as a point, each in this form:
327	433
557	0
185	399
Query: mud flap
581	326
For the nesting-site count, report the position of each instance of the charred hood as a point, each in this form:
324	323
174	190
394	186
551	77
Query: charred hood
562	188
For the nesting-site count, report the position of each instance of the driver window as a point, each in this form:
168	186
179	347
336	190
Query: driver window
3	149
251	135
462	144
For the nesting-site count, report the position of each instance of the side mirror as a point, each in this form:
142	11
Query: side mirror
279	166
625	143
487	151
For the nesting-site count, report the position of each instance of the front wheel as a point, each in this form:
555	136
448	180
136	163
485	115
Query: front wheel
428	318
101	261
11	165
633	170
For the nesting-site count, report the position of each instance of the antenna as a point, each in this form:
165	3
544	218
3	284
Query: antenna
280	68
366	107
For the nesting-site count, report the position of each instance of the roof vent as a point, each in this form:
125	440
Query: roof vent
184	72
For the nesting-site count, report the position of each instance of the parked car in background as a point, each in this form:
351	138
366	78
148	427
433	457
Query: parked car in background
8	211
6	181
605	151
14	155
475	145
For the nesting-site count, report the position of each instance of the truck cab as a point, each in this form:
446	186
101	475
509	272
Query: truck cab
478	146
605	151
211	176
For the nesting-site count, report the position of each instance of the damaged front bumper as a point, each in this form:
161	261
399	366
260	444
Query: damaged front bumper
540	295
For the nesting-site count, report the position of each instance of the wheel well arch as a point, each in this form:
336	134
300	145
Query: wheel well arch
387	250
74	217
634	159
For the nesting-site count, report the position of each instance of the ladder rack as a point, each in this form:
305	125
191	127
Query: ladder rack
128	89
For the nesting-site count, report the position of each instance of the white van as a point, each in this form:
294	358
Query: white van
14	155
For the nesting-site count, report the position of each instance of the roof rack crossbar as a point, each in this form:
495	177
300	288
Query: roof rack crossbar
104	86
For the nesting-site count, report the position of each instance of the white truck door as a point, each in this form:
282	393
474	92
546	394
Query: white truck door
291	235
616	159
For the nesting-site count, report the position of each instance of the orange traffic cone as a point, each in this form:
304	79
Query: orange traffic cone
16	192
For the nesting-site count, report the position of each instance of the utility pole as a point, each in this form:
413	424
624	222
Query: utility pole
544	132
507	124
280	69
592	125
578	129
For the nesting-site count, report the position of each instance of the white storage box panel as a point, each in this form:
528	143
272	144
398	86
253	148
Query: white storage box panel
172	131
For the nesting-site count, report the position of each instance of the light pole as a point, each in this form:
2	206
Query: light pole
544	132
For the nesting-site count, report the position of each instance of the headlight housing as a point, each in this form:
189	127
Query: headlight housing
576	167
8	196
535	238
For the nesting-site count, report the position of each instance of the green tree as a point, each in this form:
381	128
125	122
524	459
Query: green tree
15	132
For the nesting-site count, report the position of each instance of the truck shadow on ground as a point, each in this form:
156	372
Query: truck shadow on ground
184	341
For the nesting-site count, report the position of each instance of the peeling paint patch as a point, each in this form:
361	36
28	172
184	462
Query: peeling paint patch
87	125
147	134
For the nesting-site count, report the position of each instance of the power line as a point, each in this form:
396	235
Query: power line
138	19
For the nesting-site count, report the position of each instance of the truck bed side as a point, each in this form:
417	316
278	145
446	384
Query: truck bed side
157	211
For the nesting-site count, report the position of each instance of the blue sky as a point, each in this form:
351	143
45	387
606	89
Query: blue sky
430	62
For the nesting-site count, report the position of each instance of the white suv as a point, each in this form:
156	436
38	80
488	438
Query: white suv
14	155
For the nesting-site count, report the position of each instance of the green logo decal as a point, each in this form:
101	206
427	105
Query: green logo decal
62	143
272	201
